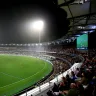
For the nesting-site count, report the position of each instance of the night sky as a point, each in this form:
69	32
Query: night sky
15	17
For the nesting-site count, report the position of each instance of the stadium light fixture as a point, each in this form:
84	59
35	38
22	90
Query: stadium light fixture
48	43
41	44
28	44
77	35
91	31
38	27
36	44
93	27
84	32
79	27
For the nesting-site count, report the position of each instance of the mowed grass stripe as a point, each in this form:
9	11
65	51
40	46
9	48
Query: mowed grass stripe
42	69
6	80
10	75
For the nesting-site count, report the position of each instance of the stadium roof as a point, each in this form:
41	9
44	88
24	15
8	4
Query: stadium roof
82	15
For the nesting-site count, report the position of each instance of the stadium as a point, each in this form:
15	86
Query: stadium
54	55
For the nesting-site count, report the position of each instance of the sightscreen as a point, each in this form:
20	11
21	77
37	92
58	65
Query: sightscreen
82	41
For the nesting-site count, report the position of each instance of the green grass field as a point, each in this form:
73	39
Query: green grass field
20	72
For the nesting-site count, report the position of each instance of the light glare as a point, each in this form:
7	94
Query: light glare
38	25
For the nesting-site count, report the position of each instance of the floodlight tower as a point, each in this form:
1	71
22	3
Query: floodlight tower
38	27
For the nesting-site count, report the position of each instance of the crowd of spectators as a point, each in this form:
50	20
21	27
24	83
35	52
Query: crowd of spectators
81	82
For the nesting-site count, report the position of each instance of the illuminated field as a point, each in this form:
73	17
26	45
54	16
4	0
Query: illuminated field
20	72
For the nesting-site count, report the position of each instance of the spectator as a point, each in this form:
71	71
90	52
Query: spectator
80	88
69	81
72	91
73	76
77	72
84	79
